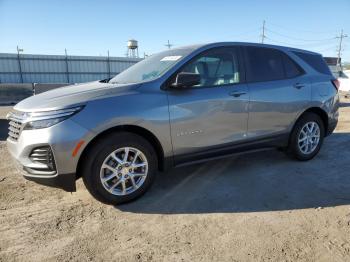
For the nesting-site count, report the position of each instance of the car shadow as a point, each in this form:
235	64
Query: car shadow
3	129
254	182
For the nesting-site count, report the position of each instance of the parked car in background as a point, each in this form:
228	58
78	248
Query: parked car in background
177	107
344	81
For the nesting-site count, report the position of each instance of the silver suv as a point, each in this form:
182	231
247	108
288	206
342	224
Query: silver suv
174	108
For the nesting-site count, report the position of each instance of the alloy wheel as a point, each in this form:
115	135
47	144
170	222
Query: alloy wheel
309	137
124	171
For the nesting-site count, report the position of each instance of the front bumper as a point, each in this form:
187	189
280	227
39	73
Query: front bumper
63	181
62	139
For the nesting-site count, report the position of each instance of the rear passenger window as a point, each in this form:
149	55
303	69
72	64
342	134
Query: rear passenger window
290	67
264	64
315	61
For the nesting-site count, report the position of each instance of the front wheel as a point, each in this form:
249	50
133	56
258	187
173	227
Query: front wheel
307	137
119	168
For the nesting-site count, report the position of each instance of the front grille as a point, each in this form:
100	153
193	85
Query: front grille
16	120
44	156
15	128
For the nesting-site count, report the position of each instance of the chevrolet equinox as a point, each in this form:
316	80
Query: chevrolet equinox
177	107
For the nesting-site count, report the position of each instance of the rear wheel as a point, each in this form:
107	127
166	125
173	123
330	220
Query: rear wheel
307	137
119	168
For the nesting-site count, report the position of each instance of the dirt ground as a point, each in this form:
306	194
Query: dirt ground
253	207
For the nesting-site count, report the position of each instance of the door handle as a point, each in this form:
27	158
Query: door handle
298	85
237	93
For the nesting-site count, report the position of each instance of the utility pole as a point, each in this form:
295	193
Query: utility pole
169	45
19	63
341	37
263	36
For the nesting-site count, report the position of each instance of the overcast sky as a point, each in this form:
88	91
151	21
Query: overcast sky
87	27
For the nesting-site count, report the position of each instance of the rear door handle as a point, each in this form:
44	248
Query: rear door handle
237	93
298	85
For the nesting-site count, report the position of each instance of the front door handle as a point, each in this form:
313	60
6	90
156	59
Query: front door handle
298	85
237	93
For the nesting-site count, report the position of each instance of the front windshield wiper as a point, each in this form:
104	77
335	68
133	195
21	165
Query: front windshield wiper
106	80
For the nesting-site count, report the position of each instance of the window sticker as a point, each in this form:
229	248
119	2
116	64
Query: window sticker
171	58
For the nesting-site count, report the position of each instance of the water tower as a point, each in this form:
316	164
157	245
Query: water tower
133	49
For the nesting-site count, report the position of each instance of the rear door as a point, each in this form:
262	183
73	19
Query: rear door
278	89
213	113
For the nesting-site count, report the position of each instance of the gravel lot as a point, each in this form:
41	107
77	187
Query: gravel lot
253	207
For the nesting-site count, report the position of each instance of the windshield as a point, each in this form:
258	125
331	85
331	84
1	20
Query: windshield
152	67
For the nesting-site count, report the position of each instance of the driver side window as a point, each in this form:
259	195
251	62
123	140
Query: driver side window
216	67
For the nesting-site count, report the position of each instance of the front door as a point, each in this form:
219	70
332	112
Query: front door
214	113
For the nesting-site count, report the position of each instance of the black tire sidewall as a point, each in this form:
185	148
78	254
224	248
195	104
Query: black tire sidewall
294	148
98	154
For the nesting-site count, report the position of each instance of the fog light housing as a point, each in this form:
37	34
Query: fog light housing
43	155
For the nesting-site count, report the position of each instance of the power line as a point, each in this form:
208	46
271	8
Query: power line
300	30
299	39
298	44
327	49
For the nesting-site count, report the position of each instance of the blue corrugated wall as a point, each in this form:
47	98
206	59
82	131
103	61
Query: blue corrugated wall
59	69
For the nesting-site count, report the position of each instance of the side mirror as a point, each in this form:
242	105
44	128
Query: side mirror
185	79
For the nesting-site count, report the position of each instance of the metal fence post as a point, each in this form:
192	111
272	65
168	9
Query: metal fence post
108	66
33	88
19	64
67	69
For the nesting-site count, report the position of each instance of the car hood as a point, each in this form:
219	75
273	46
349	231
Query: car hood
73	95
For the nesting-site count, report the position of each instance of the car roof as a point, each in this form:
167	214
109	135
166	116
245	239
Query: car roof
222	44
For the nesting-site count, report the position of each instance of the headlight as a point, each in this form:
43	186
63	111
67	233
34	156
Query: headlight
45	119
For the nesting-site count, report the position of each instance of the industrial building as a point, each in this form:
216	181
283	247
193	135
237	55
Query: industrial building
62	69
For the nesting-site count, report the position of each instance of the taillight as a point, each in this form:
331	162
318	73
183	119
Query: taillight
336	83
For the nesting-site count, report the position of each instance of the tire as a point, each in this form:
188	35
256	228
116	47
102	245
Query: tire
297	148
106	159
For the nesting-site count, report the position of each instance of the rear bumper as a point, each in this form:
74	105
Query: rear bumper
331	127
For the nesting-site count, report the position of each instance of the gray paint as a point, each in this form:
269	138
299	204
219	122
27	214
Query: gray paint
184	121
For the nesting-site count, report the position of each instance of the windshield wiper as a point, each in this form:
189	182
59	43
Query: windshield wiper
105	80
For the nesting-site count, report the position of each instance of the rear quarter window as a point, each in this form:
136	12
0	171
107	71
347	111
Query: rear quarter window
315	61
263	64
291	68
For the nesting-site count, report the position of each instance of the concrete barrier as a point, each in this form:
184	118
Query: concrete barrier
41	88
13	93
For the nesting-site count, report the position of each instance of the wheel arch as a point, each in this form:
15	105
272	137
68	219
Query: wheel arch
143	132
321	113
318	111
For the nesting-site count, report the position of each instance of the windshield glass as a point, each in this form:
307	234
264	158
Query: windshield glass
152	67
